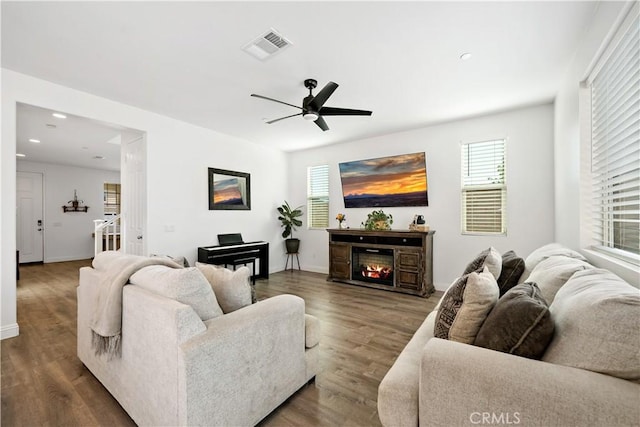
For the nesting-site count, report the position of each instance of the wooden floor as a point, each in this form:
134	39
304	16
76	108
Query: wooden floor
363	331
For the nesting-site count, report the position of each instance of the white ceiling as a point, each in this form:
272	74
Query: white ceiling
398	59
73	141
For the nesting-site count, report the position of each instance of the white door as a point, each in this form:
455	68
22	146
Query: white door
134	196
29	220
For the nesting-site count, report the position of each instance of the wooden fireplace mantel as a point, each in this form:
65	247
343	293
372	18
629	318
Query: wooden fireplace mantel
412	258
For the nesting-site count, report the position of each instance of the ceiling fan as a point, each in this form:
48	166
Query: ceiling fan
313	106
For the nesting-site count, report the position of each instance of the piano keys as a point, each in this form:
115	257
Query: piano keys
236	253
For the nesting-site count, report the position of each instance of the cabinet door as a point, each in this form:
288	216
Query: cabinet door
339	261
409	269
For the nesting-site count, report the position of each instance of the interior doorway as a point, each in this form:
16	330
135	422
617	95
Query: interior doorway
29	217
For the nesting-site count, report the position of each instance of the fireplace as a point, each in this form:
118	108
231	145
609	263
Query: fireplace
372	265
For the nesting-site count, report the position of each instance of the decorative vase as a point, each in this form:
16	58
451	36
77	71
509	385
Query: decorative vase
339	225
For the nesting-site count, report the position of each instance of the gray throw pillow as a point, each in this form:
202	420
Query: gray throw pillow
512	269
519	324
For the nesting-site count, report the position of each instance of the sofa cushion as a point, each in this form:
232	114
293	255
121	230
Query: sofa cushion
186	285
520	323
489	258
512	269
597	317
232	288
465	307
544	252
552	273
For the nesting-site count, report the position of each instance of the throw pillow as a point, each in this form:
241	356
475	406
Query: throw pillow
597	318
232	288
519	324
512	269
465	307
186	285
553	272
544	252
489	258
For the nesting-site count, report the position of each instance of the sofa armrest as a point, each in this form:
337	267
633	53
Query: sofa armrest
462	384
226	370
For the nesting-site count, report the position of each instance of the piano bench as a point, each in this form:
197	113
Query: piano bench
245	261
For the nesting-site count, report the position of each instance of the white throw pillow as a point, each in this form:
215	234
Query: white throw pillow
489	258
186	285
465	307
232	288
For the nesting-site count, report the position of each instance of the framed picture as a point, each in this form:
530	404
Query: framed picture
229	190
386	181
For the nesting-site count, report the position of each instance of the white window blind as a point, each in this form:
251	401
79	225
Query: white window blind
318	196
615	144
484	190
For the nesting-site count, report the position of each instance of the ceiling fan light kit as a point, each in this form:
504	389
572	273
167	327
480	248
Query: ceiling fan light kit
313	106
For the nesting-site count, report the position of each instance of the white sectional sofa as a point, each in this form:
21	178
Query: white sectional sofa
174	368
589	375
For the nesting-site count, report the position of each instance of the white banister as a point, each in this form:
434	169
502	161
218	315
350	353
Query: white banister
107	234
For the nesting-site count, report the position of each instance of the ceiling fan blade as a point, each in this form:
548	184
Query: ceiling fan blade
321	124
334	111
275	100
282	118
318	101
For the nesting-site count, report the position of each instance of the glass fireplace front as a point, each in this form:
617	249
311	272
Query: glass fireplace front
372	265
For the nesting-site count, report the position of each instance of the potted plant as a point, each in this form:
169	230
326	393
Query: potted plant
289	219
378	220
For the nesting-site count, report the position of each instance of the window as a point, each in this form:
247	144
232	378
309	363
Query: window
484	189
111	199
615	144
318	196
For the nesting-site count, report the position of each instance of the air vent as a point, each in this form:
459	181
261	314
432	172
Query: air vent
267	45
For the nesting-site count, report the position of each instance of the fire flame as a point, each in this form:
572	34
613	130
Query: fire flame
376	271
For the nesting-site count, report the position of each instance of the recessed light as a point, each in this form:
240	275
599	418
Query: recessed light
98	157
20	155
85	148
50	125
35	141
59	115
465	56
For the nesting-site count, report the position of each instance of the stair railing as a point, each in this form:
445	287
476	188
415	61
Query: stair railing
107	234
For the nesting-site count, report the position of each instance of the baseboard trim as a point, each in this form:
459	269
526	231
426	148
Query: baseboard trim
9	331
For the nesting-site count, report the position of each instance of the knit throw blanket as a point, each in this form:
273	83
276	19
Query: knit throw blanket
115	269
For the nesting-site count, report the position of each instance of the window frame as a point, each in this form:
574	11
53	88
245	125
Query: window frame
313	198
464	189
599	228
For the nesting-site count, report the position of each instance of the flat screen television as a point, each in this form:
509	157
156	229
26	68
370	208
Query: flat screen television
385	181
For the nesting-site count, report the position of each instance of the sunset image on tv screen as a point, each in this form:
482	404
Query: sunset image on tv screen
386	181
227	192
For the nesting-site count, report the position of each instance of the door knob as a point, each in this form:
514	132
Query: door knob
139	237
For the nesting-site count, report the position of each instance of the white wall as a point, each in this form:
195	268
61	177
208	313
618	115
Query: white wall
572	152
67	236
178	155
529	133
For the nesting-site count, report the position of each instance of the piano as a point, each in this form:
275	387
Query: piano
233	250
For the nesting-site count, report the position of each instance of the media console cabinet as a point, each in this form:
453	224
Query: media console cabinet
395	260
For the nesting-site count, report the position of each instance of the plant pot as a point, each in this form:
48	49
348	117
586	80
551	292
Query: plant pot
292	245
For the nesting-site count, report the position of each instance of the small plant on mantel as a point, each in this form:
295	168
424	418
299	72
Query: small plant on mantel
378	220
